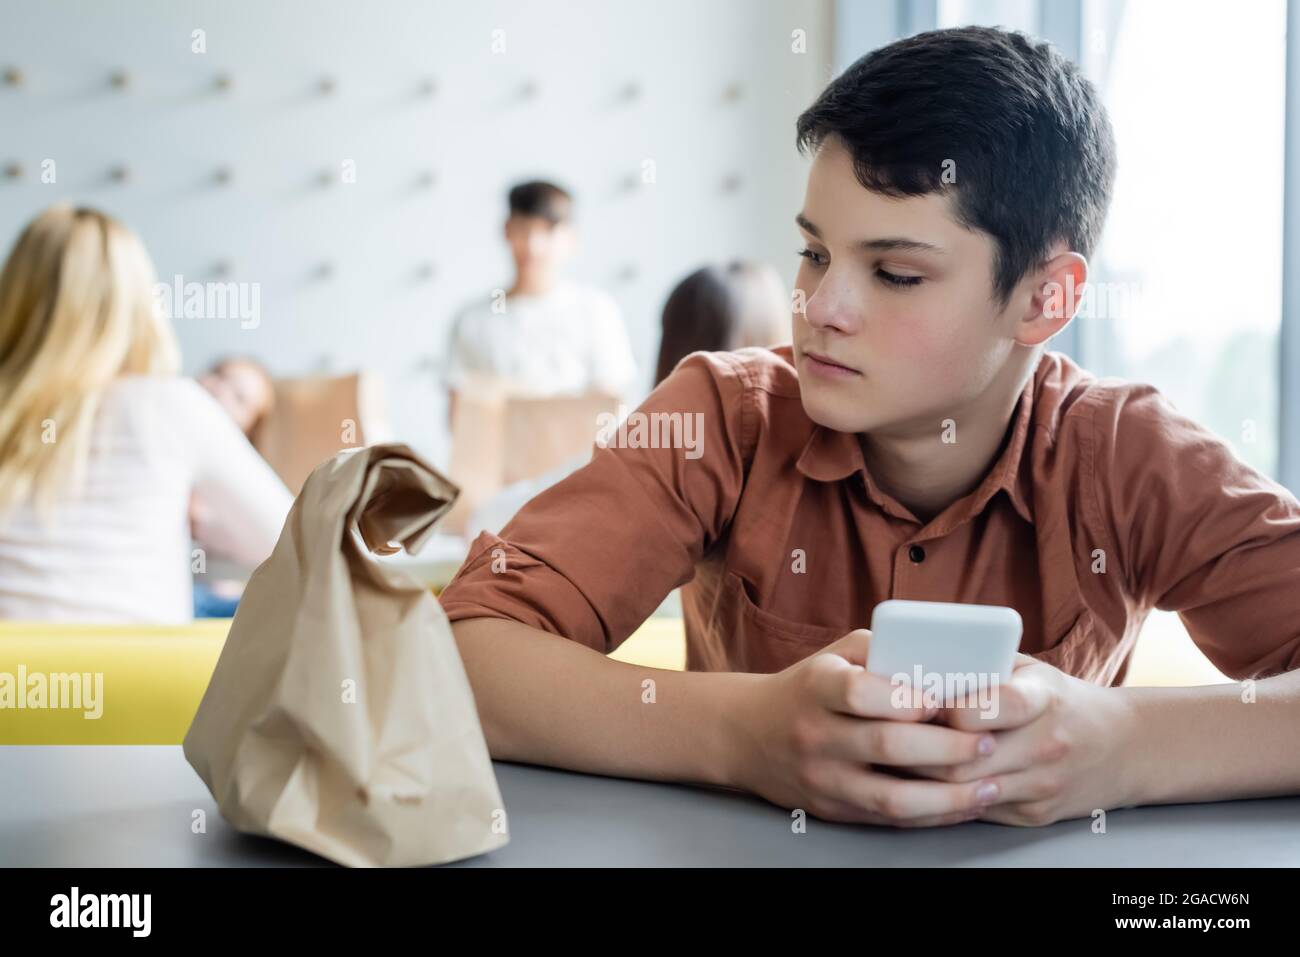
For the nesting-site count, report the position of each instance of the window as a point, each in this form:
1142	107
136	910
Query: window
1188	280
1011	14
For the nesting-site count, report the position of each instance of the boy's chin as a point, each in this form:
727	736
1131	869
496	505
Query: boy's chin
840	413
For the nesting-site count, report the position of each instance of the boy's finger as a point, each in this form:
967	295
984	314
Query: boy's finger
853	647
1011	704
1014	751
848	689
897	799
903	744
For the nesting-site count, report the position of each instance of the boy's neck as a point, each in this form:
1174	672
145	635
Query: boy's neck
927	474
533	284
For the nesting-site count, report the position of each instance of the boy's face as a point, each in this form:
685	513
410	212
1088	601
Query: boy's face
537	243
909	352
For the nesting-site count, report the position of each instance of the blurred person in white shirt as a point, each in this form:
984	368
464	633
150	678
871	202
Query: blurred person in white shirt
244	388
545	335
103	443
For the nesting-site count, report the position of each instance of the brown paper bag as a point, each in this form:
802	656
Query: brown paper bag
306	423
499	438
339	717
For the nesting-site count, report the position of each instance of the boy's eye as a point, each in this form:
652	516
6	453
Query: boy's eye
812	257
896	280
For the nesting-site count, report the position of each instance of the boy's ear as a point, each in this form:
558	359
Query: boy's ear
1057	288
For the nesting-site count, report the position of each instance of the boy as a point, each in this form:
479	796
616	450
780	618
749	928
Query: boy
916	441
546	335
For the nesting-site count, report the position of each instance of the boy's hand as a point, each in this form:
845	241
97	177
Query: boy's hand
1061	747
809	736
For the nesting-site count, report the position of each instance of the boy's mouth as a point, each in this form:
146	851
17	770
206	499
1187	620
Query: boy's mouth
826	366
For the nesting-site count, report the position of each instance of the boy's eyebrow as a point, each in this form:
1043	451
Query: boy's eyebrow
887	244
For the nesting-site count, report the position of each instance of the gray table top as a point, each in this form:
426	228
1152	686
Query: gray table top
133	806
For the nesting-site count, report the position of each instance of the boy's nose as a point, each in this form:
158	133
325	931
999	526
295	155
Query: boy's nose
826	310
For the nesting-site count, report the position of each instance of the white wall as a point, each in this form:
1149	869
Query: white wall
275	224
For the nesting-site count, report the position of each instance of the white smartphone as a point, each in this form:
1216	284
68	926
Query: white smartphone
922	639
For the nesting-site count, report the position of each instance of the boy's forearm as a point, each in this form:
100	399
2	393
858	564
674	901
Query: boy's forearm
1208	744
546	700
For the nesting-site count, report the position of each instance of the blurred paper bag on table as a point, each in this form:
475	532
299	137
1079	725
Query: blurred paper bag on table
339	717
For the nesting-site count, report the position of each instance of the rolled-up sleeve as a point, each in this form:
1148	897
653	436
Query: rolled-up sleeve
1199	532
591	557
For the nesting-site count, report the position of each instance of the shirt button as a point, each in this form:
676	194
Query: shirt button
916	553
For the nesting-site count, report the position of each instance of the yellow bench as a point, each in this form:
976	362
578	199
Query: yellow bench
151	678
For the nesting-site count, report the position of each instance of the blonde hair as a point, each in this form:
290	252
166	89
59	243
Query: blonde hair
77	310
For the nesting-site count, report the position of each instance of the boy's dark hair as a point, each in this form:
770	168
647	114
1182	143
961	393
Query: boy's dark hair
1033	155
540	198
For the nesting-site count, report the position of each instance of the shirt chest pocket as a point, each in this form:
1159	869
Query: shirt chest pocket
760	642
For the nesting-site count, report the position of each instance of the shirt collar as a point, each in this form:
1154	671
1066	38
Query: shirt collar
831	456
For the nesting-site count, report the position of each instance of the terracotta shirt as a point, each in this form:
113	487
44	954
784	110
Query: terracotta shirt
1103	503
